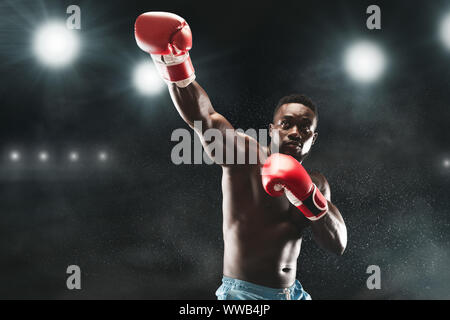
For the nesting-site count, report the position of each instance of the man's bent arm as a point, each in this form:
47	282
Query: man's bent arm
329	231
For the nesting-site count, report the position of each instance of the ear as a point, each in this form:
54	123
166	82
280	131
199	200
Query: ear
270	130
315	137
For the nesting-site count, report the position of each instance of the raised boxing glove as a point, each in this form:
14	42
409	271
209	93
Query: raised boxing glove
168	39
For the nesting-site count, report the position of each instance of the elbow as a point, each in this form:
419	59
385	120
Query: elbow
341	241
340	250
336	246
334	239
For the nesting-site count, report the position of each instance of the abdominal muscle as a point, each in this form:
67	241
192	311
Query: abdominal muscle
261	241
266	265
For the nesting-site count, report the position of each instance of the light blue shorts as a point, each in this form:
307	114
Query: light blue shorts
234	289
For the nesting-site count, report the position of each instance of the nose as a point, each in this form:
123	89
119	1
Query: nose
294	134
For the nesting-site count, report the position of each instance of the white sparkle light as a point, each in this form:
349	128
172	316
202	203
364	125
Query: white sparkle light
55	44
147	80
364	61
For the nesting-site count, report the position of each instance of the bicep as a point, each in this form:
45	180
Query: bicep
219	122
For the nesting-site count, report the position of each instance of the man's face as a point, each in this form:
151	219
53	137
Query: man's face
296	125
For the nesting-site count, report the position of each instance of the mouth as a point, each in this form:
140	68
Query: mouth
294	144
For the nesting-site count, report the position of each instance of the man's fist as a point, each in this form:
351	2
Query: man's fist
167	38
283	174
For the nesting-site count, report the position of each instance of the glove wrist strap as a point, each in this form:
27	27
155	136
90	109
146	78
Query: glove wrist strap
313	207
175	69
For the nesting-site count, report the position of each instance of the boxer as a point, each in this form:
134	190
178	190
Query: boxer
266	205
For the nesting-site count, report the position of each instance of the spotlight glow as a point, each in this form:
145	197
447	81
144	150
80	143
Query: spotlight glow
446	163
14	156
445	31
364	61
55	44
43	156
147	80
73	156
102	156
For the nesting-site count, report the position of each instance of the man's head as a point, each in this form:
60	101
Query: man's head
295	119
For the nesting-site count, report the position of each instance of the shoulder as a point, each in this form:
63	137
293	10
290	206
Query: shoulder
321	182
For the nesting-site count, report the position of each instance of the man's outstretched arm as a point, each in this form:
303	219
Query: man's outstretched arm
168	39
193	104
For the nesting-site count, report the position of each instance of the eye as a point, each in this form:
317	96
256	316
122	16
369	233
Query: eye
306	129
284	124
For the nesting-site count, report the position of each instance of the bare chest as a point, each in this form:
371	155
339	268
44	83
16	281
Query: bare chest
246	202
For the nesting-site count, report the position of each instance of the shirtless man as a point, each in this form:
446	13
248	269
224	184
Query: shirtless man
262	231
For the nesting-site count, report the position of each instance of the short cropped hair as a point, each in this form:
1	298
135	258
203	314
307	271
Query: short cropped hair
297	98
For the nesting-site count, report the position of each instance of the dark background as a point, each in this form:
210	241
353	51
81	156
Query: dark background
142	227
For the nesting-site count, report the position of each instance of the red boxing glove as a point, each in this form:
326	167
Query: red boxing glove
168	38
283	174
